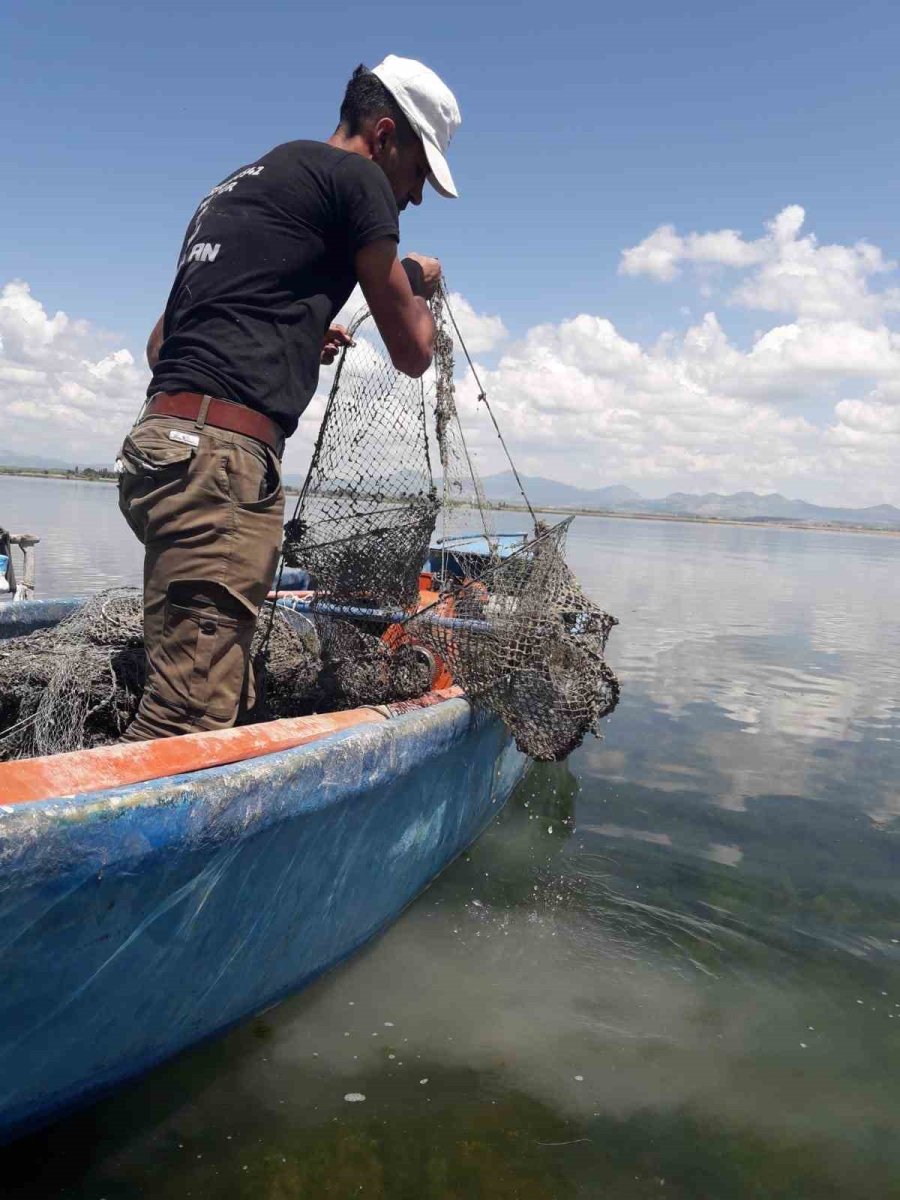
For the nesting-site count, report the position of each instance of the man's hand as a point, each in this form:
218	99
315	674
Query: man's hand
336	337
431	274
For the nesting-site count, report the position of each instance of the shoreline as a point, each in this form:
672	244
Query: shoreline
92	476
88	475
688	519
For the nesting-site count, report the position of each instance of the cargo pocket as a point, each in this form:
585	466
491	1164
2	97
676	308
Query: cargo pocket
126	496
252	479
201	668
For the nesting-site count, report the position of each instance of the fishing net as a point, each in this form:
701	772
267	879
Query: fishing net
323	663
75	685
527	645
517	633
79	683
359	668
286	654
367	509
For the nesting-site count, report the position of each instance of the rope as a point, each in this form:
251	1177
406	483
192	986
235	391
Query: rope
482	395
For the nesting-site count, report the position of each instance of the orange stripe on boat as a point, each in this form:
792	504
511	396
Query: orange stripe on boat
64	775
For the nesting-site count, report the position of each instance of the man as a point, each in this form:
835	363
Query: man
270	257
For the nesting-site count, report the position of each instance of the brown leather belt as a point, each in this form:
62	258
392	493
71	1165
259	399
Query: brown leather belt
223	414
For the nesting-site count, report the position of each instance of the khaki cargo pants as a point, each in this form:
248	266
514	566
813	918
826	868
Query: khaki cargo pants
208	506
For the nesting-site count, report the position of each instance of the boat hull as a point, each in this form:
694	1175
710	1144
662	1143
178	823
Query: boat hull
138	920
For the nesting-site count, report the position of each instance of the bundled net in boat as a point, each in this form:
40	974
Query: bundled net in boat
75	685
79	683
367	509
358	667
286	654
528	645
322	663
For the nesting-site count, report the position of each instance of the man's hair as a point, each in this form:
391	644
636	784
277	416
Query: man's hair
367	99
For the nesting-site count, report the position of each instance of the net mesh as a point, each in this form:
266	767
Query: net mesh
359	668
75	685
286	653
79	683
368	507
528	645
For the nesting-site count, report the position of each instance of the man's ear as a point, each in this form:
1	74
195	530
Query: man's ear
382	132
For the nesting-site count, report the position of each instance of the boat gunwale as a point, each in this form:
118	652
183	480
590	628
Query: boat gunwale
108	768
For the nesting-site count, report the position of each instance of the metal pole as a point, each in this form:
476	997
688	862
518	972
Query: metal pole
26	543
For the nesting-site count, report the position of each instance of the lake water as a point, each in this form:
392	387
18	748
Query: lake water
671	968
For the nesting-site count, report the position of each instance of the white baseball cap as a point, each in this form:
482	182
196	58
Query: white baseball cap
431	109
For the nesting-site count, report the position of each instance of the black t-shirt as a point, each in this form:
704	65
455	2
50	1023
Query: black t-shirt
267	262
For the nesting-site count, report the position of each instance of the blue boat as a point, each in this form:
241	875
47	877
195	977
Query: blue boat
153	895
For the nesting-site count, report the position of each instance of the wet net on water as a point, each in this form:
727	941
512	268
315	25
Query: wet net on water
528	645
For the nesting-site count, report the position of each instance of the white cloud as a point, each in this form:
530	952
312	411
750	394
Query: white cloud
794	274
63	391
479	331
866	435
582	403
693	411
659	254
869	416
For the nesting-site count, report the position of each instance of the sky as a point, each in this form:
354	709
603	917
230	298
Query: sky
674	255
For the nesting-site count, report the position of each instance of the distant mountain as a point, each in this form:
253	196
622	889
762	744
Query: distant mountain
739	506
548	491
748	506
